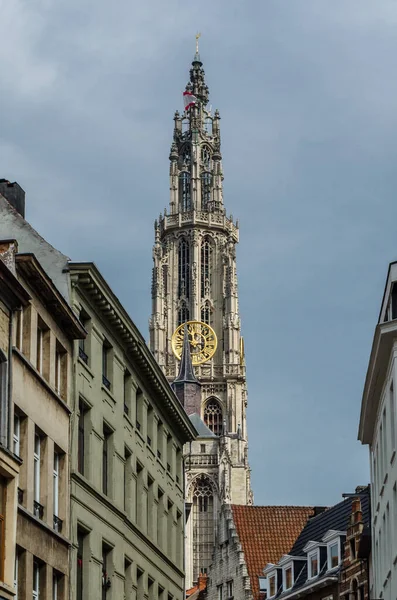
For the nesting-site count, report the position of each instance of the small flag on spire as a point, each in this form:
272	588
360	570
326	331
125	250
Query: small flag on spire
189	100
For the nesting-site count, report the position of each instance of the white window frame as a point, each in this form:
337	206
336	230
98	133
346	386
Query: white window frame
36	459
56	484
334	542
17	434
269	577
285	569
314	553
220	592
229	588
36	581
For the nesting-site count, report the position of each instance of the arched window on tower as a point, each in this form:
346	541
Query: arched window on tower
185	197
206	187
186	156
205	158
206	312
183	269
203	526
205	270
213	416
183	313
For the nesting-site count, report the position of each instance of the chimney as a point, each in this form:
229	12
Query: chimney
8	250
14	194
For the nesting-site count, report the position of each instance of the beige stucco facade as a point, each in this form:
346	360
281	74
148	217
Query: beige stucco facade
127	498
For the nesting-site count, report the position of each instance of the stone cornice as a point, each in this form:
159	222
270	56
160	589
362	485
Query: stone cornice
88	279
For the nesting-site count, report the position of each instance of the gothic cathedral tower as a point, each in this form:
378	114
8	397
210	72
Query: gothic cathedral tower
194	279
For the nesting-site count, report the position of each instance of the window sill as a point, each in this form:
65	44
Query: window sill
127	418
108	392
86	367
7	589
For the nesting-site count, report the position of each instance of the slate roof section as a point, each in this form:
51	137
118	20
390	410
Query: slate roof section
201	428
266	533
336	517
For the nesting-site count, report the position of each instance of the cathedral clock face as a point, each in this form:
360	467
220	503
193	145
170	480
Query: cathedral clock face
202	339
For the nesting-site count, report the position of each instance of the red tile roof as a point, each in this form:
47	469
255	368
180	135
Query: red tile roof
266	533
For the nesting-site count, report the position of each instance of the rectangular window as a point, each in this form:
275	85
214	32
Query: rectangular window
3	498
272	586
83	345
313	564
39	349
384	446
288	578
139	582
105	459
80	565
139	409
333	555
202	448
36	476
127	478
160	440
106	365
392	420
17	434
60	370
105	569
229	589
127	393
220	592
19	330
16	568
55	484
81	437
36	580
54	587
127	578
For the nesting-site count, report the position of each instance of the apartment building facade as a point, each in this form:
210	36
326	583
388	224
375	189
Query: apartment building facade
377	429
42	385
127	497
13	297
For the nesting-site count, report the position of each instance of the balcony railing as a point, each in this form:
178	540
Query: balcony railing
83	355
106	382
38	509
58	524
201	460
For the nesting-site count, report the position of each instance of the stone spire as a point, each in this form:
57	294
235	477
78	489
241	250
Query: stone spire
197	85
186	386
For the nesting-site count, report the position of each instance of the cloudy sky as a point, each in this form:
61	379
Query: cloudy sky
307	94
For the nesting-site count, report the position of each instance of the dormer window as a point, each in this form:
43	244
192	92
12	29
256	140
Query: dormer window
333	555
287	578
272	586
313	564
